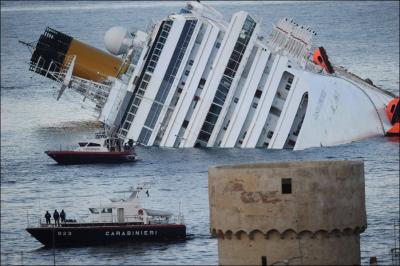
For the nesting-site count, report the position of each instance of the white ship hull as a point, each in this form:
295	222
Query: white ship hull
198	81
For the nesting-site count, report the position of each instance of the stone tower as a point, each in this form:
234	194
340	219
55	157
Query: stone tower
288	213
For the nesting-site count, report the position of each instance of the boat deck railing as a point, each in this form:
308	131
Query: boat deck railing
113	220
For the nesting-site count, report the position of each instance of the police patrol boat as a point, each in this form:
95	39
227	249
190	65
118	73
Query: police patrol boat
100	150
124	220
196	80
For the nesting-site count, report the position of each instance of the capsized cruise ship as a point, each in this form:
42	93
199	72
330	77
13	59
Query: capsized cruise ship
195	80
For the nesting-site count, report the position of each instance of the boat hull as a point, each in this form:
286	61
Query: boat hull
79	157
84	234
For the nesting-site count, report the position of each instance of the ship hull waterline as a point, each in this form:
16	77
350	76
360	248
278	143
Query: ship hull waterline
89	235
80	157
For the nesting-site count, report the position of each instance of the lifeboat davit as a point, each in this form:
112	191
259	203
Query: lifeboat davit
393	114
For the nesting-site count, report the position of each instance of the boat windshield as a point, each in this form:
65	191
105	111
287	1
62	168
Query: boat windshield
94	210
91	144
108	210
102	210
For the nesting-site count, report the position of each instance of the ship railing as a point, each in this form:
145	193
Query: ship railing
49	72
178	219
96	92
175	219
341	71
344	73
63	147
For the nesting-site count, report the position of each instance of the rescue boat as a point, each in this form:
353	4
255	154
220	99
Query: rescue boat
122	221
99	150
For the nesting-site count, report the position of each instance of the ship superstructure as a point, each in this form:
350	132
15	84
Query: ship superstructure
195	80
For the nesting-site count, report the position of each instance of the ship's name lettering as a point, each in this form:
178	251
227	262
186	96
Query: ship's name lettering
132	233
64	233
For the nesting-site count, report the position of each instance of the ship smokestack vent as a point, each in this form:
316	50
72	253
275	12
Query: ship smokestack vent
50	52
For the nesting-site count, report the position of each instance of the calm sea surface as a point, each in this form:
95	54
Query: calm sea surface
362	36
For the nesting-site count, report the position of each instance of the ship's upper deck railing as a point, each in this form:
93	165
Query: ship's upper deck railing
94	91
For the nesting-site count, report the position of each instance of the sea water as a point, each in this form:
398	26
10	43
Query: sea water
362	36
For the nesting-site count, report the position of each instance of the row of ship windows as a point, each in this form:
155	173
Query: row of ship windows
215	112
170	73
208	126
274	110
226	81
257	95
169	76
211	120
200	87
147	76
231	71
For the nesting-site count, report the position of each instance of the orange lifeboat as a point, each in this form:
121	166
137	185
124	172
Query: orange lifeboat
321	58
393	114
394	131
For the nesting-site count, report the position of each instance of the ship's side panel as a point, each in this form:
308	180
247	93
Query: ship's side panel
297	125
288	114
188	69
114	100
210	87
252	134
244	99
336	113
237	84
119	96
249	112
377	98
156	79
140	64
241	88
182	69
201	61
141	82
199	88
228	83
288	80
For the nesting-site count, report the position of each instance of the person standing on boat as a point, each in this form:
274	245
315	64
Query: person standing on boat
62	216
47	216
56	217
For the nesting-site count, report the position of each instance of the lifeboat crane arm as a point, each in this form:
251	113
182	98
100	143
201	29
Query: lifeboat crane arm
67	79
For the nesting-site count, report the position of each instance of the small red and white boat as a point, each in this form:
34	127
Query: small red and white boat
99	150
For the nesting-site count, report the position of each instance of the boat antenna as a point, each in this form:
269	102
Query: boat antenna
29	45
27	217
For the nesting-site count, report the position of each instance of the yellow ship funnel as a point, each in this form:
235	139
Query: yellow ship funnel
54	48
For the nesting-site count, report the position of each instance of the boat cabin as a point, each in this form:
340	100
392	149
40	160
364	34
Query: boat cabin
129	210
127	214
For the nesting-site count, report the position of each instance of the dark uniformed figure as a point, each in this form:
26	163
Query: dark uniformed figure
47	216
62	216
130	143
56	217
